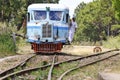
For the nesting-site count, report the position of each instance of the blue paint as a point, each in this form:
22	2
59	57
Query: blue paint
54	27
58	27
30	40
38	42
34	27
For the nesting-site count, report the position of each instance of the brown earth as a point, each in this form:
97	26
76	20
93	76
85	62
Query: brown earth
68	49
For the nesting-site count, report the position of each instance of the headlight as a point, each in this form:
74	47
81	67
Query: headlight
55	37
37	37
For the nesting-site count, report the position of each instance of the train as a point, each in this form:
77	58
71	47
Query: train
47	27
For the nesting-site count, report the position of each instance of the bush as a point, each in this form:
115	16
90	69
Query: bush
6	44
112	42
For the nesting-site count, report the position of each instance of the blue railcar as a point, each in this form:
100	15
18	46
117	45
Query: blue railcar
47	27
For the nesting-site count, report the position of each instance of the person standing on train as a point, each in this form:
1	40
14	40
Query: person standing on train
72	29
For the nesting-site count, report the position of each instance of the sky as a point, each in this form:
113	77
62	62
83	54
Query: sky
72	4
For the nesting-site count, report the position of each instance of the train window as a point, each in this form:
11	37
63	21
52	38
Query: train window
64	18
28	17
55	15
40	15
67	18
31	16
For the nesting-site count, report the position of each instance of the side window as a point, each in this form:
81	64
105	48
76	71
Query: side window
28	17
64	17
67	18
32	16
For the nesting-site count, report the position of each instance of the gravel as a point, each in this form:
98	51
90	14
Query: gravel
11	61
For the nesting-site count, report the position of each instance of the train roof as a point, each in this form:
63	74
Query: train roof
51	6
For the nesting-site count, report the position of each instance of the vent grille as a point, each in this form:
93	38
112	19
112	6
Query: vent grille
46	31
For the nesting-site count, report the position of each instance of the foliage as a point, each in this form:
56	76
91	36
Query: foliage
112	42
6	44
13	10
116	5
94	20
114	27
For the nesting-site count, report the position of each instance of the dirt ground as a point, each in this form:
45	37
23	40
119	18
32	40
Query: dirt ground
68	49
81	50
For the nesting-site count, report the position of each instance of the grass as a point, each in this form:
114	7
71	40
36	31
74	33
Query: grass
42	74
112	42
6	44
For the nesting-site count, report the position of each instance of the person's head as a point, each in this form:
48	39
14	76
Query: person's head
70	22
73	19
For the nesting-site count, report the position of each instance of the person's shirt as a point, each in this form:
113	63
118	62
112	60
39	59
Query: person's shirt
70	24
73	27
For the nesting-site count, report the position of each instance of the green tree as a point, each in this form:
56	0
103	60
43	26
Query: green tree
14	9
10	9
95	20
116	5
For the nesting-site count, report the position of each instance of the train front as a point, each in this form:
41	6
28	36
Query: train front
47	27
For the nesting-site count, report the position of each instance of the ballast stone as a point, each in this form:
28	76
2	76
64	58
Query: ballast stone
109	76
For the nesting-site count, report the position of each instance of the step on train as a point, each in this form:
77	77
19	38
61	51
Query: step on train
47	27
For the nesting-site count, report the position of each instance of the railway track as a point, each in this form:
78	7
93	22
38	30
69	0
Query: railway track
50	71
94	58
87	63
21	64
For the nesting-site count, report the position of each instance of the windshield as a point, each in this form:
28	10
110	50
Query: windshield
55	15
40	15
